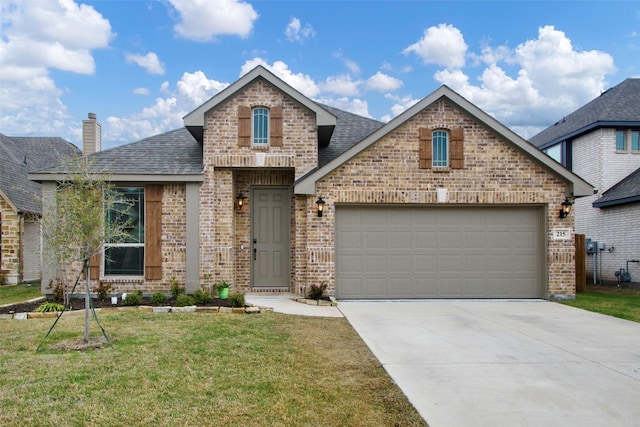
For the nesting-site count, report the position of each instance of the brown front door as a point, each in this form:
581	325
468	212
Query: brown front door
270	218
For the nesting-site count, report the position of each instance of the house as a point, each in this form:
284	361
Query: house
600	142
20	203
272	192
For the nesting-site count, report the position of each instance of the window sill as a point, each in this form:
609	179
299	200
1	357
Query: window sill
441	169
122	279
264	147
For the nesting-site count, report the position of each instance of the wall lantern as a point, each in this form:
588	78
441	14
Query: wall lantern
566	208
240	198
320	202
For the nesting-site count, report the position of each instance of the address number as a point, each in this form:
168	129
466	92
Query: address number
561	234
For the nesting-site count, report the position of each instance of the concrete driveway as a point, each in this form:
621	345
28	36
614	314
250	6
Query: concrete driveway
505	363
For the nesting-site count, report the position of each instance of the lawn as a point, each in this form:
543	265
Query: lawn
623	303
197	369
19	293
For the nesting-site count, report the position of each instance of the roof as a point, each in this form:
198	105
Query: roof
624	192
170	156
618	106
21	155
577	186
194	121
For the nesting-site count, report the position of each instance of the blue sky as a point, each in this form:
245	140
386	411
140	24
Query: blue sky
142	65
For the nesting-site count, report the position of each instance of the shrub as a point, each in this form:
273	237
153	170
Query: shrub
48	307
175	287
315	292
103	290
134	298
236	300
158	298
58	292
184	300
202	297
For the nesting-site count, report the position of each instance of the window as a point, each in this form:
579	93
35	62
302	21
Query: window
555	152
126	258
635	140
620	141
440	143
260	126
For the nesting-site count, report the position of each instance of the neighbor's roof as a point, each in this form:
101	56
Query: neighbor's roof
625	191
21	155
618	106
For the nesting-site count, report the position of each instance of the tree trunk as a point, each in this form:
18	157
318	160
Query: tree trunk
87	304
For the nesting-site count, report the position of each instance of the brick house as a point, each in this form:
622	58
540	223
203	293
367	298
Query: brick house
600	142
20	207
273	192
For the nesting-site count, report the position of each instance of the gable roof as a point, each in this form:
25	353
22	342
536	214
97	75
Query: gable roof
170	156
194	121
577	186
21	155
618	106
625	191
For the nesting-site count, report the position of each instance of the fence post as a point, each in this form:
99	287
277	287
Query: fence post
581	263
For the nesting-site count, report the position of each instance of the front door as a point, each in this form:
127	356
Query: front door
270	219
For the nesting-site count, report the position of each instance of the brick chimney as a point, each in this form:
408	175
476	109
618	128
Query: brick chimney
91	135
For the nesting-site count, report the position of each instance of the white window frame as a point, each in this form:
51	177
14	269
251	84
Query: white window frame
437	148
139	244
260	129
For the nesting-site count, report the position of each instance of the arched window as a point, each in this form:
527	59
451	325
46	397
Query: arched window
440	153
260	126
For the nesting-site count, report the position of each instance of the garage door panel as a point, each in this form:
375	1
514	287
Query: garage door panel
438	252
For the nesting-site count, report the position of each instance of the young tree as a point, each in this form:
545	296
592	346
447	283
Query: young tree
74	226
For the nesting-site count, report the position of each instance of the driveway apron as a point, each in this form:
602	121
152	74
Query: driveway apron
505	363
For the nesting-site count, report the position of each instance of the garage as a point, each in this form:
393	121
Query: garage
439	252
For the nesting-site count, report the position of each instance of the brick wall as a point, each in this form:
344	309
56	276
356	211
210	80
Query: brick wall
10	243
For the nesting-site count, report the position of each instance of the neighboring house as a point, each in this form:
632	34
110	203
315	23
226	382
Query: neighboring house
600	142
273	192
20	202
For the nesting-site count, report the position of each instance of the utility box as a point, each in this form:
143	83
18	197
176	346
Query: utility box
592	246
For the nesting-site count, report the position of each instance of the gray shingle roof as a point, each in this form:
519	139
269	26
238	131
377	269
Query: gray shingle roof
617	106
625	191
350	129
21	155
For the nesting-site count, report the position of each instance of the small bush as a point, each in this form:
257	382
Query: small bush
48	307
315	292
58	292
103	290
236	300
134	298
158	298
202	297
175	287
184	300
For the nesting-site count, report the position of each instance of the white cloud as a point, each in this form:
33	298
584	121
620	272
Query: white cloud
353	105
295	32
197	88
141	91
351	65
149	62
383	83
204	20
401	103
38	35
441	45
299	81
342	84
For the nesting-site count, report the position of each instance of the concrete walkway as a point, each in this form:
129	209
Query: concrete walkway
505	363
282	303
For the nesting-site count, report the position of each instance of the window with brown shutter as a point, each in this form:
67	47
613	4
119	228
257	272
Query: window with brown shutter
244	126
275	126
153	232
94	266
425	148
456	150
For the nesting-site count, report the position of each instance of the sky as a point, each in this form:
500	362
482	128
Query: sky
142	65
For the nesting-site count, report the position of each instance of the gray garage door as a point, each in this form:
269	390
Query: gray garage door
433	252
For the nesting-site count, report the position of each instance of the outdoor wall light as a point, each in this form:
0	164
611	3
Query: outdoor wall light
240	198
320	202
566	208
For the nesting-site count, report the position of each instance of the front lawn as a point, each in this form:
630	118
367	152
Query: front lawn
623	303
197	369
10	294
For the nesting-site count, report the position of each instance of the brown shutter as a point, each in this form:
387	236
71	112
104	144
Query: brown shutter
244	126
425	148
94	266
153	232
456	150
275	126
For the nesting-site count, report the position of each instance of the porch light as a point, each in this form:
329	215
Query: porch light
240	198
566	208
320	202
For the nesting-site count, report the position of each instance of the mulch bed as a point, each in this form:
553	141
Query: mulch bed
78	304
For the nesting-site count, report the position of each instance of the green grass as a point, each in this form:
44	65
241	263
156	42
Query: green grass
197	369
19	293
622	303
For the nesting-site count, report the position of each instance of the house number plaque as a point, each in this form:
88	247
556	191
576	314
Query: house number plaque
561	233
